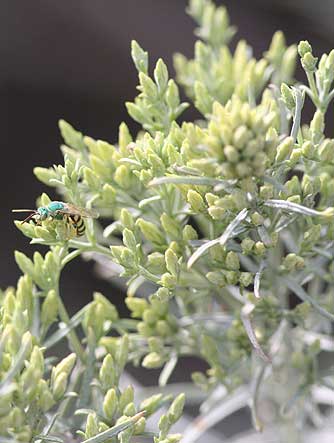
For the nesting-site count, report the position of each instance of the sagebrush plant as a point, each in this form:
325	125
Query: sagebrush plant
227	224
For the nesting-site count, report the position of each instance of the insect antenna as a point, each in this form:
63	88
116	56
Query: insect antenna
29	217
32	213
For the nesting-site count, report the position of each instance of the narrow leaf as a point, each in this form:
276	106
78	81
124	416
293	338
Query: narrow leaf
167	370
18	362
188	180
228	233
303	295
115	430
293	207
63	332
245	317
257	280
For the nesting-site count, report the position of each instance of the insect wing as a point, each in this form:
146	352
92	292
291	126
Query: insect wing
75	210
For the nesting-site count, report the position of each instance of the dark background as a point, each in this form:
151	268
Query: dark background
71	59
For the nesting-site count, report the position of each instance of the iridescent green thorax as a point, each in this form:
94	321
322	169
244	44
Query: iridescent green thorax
51	210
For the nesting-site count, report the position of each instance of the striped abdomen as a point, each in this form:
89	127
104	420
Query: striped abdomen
78	224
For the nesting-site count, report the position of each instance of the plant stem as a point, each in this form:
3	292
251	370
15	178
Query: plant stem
72	335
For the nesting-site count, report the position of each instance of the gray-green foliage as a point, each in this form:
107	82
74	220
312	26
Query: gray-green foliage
228	219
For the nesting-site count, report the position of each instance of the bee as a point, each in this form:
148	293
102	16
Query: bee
72	215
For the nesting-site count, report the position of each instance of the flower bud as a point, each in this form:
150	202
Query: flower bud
309	62
152	360
137	306
196	201
110	404
107	374
176	408
49	308
304	47
232	261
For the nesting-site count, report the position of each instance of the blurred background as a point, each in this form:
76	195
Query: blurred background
71	59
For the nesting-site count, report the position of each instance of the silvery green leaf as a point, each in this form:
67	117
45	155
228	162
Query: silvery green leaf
63	331
257	280
188	180
147	201
245	317
264	236
228	233
115	430
167	370
292	207
299	97
230	404
50	438
18	362
303	295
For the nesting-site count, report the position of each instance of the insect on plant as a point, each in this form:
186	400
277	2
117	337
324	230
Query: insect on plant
71	215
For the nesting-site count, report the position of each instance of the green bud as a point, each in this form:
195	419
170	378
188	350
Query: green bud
126	397
139	57
284	149
189	233
257	219
163	294
163	328
304	47
108	193
161	76
150	231
110	404
123	351
130	410
124	137
326	150
170	225
46	400
217	212
164	425
172	263
72	138
107	374
309	62
24	263
288	96
217	278
122	176
148	87
59	386
150	317
144	329
176	409
151	404
259	248
129	239
232	261
109	310
168	280
152	360
231	154
91	179
92	427
196	201
140	426
317	125
37	360
137	306
49	311
245	279
241	137
65	366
